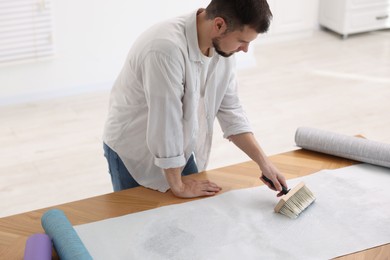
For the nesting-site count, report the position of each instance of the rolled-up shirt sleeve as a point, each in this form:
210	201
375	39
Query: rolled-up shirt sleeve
231	115
163	83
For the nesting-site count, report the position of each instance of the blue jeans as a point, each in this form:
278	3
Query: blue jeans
121	178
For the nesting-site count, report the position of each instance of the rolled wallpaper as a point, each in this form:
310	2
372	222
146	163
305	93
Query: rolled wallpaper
350	147
38	247
65	239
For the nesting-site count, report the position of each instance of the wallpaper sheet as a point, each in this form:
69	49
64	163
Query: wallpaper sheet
351	213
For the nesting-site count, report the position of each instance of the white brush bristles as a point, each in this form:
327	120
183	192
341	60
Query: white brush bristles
296	201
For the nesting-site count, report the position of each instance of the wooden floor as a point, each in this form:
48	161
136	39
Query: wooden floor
51	151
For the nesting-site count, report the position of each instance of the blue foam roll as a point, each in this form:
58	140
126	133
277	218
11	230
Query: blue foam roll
65	239
38	247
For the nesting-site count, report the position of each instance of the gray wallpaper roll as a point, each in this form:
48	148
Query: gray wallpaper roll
349	147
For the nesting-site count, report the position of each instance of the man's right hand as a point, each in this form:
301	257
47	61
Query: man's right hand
195	188
189	188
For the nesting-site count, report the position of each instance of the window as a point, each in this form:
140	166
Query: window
25	30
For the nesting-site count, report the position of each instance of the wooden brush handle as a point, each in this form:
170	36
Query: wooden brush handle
284	189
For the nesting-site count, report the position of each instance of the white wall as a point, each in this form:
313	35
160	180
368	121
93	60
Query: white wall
92	38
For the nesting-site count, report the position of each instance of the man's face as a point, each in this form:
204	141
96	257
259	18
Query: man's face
229	43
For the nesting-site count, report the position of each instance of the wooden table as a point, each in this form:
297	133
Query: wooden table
14	230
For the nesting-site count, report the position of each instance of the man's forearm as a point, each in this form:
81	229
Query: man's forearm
173	176
248	144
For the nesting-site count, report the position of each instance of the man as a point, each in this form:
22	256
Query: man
178	77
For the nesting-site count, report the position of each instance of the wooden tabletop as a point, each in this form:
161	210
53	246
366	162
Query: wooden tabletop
14	230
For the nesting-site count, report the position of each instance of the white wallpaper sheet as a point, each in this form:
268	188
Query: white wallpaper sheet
351	213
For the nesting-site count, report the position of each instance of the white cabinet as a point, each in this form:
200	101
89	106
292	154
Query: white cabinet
354	16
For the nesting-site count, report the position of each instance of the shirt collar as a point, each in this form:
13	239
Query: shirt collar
192	38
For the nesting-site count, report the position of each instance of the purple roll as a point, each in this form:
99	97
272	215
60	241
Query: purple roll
38	247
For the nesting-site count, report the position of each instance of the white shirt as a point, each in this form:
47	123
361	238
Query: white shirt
153	112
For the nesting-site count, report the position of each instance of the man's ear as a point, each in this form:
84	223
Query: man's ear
220	25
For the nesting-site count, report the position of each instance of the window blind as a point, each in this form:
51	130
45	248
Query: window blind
25	30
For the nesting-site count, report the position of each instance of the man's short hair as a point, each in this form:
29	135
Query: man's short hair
238	13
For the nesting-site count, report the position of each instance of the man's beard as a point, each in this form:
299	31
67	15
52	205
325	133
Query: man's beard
217	48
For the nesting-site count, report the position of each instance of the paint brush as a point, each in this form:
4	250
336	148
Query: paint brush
294	201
